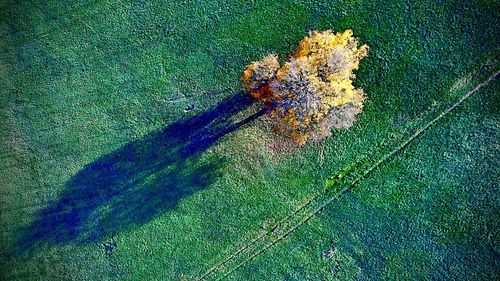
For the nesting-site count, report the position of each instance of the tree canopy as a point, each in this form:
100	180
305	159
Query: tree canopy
313	91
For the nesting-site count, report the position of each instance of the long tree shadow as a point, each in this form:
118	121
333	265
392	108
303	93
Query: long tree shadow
139	181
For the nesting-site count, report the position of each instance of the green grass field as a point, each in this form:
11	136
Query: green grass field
98	182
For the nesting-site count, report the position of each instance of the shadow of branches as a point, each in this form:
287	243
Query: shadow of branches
139	181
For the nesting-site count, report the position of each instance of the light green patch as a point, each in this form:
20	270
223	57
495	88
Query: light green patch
409	264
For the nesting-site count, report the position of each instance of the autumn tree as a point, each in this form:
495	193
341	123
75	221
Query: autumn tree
313	91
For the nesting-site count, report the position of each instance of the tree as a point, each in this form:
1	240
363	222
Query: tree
313	91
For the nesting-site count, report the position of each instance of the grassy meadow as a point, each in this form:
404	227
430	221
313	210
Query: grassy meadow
129	152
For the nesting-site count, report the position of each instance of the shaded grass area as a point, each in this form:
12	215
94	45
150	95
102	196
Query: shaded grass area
83	79
130	186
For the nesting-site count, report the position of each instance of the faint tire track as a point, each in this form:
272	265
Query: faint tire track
280	230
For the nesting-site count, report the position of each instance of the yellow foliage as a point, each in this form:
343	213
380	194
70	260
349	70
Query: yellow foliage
314	84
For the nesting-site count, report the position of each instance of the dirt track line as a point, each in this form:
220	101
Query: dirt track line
349	186
276	227
426	127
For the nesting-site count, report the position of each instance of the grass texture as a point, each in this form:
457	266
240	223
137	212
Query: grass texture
128	152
